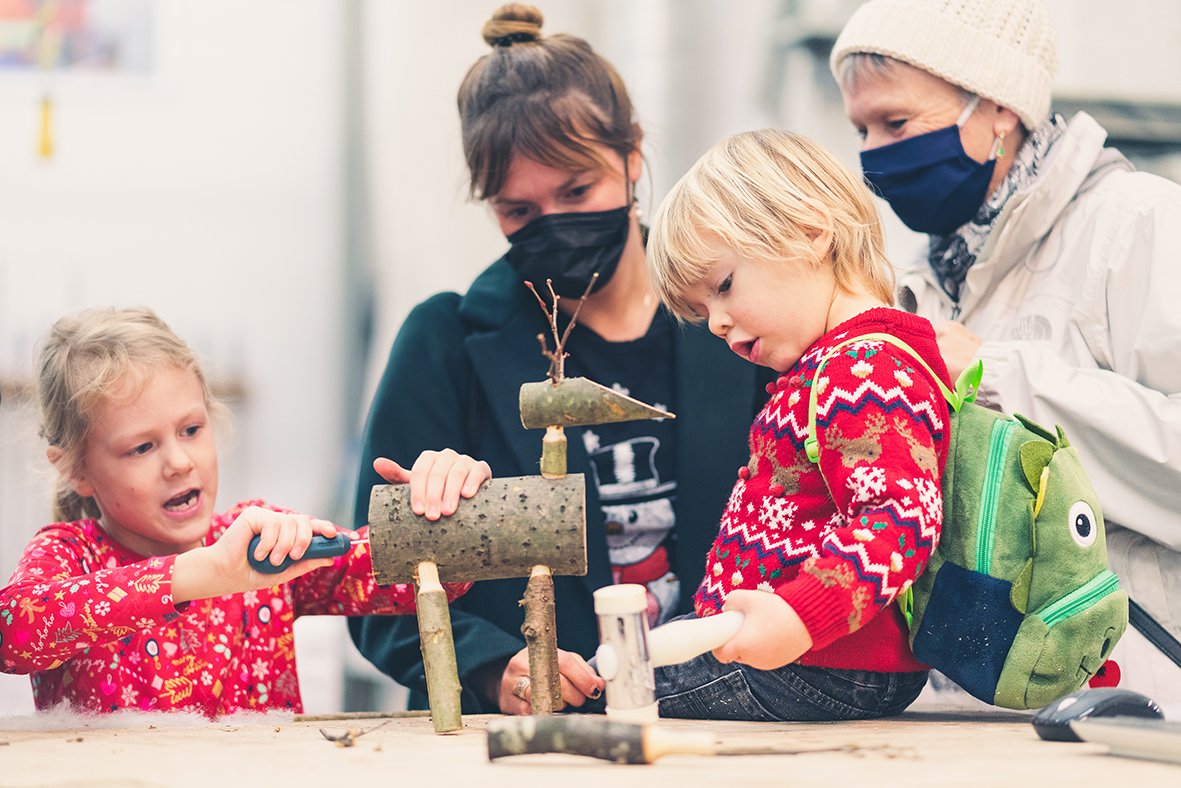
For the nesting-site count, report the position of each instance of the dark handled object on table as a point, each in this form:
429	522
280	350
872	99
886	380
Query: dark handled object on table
321	547
621	742
584	735
1056	721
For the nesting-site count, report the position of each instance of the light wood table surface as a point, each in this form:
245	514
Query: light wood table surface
929	747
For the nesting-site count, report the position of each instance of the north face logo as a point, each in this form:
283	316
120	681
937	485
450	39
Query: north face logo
1031	327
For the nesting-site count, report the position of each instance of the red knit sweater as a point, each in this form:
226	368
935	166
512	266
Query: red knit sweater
839	540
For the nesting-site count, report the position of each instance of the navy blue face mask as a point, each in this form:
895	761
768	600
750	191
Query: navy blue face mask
929	181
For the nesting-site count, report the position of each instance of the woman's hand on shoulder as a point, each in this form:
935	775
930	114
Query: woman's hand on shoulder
224	567
772	633
957	345
437	480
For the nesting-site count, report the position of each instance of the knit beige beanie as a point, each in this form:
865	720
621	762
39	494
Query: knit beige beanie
1002	50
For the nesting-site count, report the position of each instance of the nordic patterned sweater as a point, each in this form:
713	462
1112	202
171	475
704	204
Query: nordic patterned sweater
839	540
95	625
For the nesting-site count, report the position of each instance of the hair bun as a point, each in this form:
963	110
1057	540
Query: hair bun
511	24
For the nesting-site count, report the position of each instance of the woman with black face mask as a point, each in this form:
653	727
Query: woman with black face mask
552	146
1051	260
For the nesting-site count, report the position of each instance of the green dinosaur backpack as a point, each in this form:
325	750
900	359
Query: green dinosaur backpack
1016	604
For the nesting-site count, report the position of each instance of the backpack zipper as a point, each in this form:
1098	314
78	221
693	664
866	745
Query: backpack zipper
994	473
1081	598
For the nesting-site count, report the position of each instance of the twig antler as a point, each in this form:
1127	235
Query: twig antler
557	357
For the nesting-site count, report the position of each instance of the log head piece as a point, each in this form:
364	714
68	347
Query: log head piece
579	402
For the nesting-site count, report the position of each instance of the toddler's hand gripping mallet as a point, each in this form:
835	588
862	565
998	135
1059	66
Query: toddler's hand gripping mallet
628	652
321	547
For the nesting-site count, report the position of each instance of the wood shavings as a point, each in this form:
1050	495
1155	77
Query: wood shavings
349	737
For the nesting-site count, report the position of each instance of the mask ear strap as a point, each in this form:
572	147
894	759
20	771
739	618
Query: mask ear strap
998	148
968	110
632	203
627	184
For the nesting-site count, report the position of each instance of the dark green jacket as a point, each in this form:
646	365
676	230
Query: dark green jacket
453	380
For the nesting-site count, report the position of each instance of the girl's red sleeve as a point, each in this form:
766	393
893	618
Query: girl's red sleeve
61	601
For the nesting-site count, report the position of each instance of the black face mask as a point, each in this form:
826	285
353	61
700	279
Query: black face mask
570	248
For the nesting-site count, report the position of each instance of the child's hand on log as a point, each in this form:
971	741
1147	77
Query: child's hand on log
772	633
579	682
436	480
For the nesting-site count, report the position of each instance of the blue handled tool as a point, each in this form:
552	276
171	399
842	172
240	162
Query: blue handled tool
321	547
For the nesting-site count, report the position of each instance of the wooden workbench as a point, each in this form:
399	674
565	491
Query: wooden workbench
930	747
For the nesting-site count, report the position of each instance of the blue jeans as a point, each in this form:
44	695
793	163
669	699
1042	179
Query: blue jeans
705	689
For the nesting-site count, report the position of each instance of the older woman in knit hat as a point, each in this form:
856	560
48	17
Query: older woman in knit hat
1050	259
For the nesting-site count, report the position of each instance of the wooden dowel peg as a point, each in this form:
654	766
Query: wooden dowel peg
553	453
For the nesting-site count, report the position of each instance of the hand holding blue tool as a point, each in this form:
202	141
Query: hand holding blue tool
321	547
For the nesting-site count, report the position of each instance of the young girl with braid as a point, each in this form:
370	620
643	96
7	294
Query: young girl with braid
777	246
140	596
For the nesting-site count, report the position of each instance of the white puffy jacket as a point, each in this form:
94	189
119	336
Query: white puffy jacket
1077	295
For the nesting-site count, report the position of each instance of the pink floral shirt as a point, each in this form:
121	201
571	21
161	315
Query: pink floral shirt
95	626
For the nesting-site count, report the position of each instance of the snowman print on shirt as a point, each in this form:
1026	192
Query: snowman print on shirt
638	510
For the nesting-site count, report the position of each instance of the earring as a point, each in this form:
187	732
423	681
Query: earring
1000	152
631	196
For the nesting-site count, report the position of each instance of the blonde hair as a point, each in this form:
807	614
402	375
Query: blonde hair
84	360
765	195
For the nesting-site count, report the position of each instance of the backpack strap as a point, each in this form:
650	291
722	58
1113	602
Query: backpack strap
1156	634
966	385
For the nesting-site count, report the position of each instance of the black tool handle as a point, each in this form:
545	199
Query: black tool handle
321	547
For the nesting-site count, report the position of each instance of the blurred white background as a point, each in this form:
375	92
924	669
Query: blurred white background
282	180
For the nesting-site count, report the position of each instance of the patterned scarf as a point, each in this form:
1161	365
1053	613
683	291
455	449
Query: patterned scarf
950	256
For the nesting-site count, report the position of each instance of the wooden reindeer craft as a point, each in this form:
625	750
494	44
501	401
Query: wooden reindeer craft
531	526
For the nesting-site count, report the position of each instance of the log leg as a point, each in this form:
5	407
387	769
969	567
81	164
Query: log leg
541	635
438	649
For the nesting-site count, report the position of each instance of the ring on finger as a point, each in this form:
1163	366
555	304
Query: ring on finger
521	688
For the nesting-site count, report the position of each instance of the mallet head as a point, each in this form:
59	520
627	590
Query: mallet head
622	656
628	652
